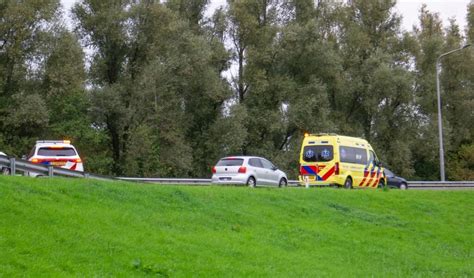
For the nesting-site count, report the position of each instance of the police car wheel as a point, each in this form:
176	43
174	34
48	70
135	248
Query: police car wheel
403	186
348	183
6	171
251	182
282	183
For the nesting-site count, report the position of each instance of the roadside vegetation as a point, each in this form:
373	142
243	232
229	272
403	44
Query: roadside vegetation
72	227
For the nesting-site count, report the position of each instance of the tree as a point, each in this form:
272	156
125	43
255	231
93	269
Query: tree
103	27
24	34
153	75
375	94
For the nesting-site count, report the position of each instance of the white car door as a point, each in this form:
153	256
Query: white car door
271	175
259	170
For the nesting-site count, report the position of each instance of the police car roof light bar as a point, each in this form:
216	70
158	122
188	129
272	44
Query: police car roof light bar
54	141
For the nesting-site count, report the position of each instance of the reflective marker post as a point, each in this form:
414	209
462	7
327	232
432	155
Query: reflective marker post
306	181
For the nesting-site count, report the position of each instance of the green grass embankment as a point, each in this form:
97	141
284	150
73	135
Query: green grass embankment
71	227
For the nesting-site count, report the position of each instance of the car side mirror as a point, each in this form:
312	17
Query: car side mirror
274	168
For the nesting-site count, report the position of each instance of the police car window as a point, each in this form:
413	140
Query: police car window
32	152
255	162
353	155
318	153
230	162
48	151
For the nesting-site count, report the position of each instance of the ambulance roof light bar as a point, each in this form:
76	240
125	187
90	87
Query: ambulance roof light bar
320	134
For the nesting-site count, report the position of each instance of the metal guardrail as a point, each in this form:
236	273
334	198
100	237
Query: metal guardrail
411	184
14	165
181	181
440	184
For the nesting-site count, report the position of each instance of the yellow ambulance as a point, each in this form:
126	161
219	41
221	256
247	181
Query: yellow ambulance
331	159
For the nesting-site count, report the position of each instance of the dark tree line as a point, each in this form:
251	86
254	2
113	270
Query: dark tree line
145	88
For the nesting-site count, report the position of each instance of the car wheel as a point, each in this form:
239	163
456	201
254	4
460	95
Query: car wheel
403	186
348	183
251	182
283	182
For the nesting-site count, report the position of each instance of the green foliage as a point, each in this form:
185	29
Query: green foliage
461	165
72	227
165	90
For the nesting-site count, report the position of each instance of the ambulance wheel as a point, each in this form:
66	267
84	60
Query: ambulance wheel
348	183
251	182
381	184
282	183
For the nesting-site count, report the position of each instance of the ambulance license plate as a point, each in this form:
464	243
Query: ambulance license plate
58	163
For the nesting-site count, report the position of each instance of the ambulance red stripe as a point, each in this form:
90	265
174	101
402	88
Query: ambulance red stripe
372	174
377	179
366	173
329	173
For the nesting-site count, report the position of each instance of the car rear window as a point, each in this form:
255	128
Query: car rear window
57	151
230	162
318	153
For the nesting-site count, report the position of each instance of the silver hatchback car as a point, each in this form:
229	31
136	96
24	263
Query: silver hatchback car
248	170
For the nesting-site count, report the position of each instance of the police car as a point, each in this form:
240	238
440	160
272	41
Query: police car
4	170
55	153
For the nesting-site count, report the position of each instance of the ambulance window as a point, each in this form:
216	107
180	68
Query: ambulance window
371	158
353	155
318	153
374	158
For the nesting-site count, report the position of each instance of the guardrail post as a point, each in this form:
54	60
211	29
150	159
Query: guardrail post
12	166
50	171
86	175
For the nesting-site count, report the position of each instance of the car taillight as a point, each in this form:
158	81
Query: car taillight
301	170
78	160
336	168
35	160
243	170
214	170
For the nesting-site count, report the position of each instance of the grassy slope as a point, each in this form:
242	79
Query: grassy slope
64	227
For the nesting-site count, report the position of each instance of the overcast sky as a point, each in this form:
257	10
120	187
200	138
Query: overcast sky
409	9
